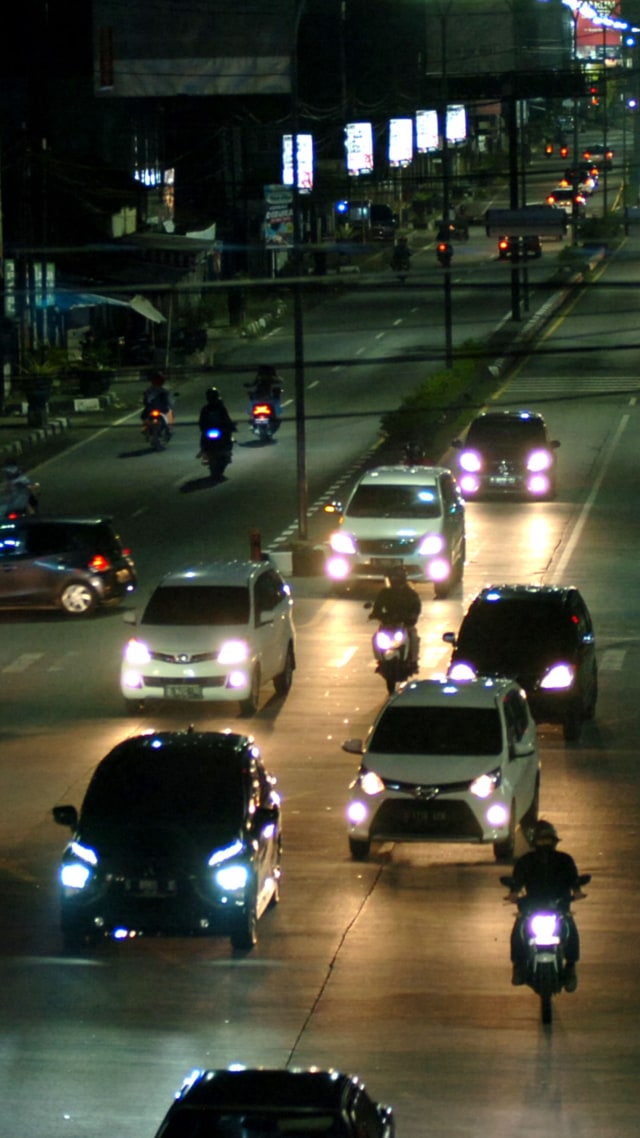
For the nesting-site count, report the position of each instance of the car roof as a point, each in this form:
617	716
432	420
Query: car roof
268	1089
402	475
504	416
62	519
170	747
524	592
481	692
219	573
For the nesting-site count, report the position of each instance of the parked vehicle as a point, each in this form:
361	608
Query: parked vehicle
545	932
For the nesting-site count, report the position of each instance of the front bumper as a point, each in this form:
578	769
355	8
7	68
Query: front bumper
194	683
397	817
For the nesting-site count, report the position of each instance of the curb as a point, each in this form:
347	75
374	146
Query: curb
38	435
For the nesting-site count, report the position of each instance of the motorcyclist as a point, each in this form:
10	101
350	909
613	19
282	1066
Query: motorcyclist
267	387
399	603
156	397
18	495
401	254
214	415
546	876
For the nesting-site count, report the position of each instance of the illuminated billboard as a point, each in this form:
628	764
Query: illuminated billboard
400	142
358	141
427	137
304	158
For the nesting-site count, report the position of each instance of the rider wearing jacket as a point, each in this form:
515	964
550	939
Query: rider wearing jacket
399	603
546	876
214	415
157	398
18	495
267	387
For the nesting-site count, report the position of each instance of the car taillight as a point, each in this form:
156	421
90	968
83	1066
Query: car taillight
98	564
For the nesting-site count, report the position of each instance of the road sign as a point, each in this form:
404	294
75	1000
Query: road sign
529	221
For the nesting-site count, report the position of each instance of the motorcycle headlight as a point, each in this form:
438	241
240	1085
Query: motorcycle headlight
470	461
431	544
462	671
544	928
386	640
371	783
558	678
341	542
539	460
485	784
136	652
233	652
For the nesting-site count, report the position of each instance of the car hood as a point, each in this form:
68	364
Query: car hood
124	844
176	638
429	770
372	528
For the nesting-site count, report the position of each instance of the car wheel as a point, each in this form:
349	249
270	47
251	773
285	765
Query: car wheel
244	934
572	723
282	682
503	851
359	848
249	706
77	599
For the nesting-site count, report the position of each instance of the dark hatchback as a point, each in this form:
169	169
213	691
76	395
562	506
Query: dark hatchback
270	1103
179	834
540	635
72	564
507	453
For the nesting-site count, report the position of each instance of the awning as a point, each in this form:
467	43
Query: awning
66	300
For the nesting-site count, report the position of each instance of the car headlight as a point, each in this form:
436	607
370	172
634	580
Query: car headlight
485	784
137	652
462	671
558	678
371	783
233	652
218	856
231	878
342	542
470	461
431	544
75	874
539	460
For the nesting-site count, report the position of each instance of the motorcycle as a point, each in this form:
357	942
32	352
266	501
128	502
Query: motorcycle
215	451
545	930
444	253
401	262
156	427
263	422
391	646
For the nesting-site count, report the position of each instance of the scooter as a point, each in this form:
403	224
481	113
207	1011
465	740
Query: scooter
391	646
215	451
264	422
545	930
444	253
156	427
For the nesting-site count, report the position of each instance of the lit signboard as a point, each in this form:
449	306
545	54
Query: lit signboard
456	124
304	158
400	142
358	141
427	137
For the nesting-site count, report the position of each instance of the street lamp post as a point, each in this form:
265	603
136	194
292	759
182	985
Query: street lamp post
298	314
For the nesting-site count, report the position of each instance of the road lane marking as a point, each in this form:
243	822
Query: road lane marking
341	661
22	662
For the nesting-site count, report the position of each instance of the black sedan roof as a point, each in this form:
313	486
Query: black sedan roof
269	1089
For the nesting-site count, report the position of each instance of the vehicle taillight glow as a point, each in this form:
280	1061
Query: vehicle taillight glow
99	563
261	409
470	461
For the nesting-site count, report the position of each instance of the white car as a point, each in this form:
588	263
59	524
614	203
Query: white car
446	762
215	632
400	515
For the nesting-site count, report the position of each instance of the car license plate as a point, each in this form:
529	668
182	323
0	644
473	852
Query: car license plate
503	480
183	691
424	819
151	887
385	562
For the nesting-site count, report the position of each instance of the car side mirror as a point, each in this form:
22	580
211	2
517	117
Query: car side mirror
555	443
352	746
449	638
65	816
266	616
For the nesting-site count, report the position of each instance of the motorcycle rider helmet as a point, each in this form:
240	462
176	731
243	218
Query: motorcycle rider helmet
157	378
397	576
544	834
212	395
11	469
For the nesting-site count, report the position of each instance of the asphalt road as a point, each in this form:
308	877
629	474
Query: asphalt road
396	968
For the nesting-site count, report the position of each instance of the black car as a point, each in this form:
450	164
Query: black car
519	248
179	833
540	635
507	453
72	564
270	1103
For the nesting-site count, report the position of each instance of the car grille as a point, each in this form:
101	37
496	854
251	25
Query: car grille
415	819
184	681
427	790
393	547
183	657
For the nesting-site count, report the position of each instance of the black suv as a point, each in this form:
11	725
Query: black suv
507	453
73	564
270	1103
179	834
540	635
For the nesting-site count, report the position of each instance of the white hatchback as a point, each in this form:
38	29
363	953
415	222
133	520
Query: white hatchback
215	632
400	515
446	762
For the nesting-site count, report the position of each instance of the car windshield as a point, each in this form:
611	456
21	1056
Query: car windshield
520	433
438	731
191	789
194	1123
507	635
380	501
198	605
